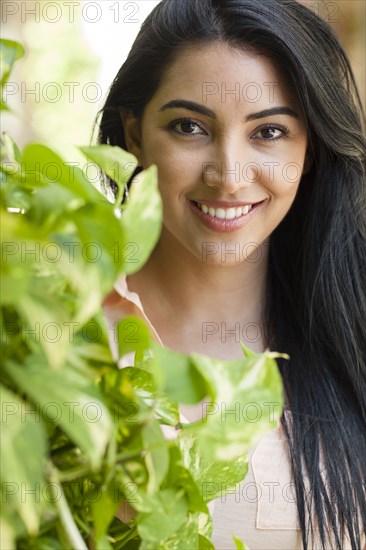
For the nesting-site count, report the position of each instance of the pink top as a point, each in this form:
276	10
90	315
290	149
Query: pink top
261	510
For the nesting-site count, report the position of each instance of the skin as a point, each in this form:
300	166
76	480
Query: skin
216	288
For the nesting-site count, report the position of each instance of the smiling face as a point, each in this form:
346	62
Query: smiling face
229	142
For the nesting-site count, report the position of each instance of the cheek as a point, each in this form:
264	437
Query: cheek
282	179
178	173
283	194
173	158
291	175
282	183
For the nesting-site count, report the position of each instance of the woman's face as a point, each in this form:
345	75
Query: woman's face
229	142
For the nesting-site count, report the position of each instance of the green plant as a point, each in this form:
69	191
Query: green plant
79	435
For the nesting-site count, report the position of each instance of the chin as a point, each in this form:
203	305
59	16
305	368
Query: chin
230	253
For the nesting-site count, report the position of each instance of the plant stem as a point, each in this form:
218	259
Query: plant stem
83	526
125	537
122	457
71	531
75	473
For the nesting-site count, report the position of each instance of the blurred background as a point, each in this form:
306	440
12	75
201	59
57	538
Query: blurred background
75	48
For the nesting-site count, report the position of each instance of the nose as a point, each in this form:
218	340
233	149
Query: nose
231	170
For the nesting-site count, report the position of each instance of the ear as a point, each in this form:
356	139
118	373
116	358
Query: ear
131	129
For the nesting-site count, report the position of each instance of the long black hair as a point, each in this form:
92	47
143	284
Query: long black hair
316	300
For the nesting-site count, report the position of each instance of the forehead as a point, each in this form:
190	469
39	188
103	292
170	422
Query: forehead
219	74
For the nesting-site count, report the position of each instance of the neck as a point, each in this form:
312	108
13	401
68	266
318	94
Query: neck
205	290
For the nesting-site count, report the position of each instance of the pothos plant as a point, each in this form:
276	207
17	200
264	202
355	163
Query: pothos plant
81	437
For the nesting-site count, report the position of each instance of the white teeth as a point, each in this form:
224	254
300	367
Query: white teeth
220	213
230	213
225	213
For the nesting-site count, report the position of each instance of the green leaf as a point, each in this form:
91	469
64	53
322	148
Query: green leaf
69	398
7	534
239	544
166	410
145	385
204	543
10	51
181	477
142	218
80	276
186	537
246	402
15	273
47	543
183	382
117	163
132	335
213	477
23	460
247	351
10	149
156	455
51	207
168	511
42	165
46	324
205	525
103	510
102	241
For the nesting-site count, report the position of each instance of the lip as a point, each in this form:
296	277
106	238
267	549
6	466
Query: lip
225	226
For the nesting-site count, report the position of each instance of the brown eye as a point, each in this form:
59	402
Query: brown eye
271	133
186	127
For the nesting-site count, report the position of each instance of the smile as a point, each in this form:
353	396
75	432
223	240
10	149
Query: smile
225	213
225	220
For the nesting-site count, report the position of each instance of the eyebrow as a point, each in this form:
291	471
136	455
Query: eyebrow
190	105
196	107
273	111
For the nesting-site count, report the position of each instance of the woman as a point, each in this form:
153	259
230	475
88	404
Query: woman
251	113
